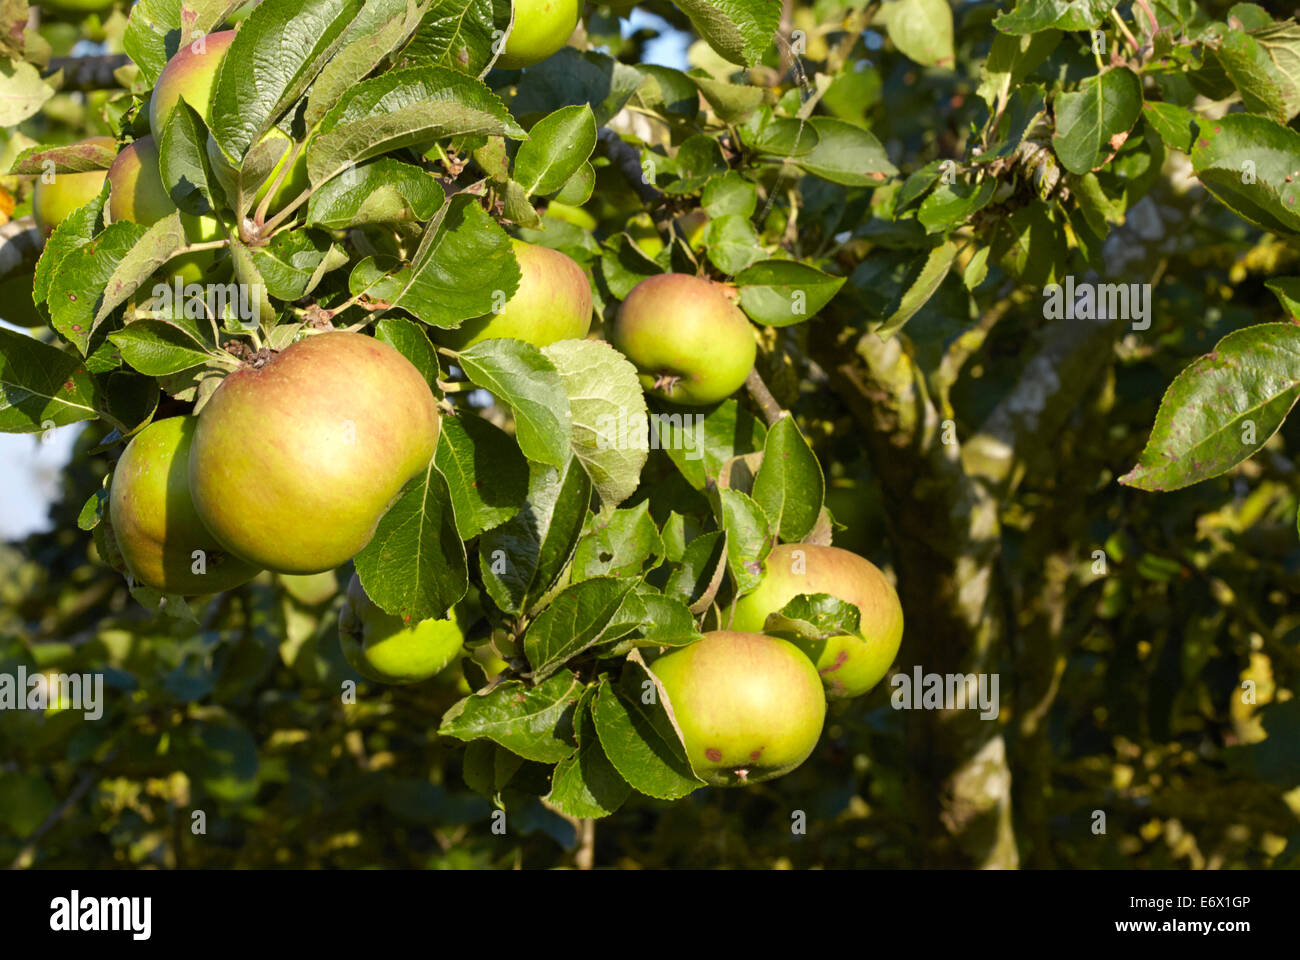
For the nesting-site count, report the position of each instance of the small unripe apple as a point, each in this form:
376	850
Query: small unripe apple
384	648
295	461
849	666
310	588
53	202
750	707
690	343
137	194
541	27
162	540
553	303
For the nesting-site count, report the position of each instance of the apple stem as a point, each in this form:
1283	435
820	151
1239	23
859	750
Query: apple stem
762	396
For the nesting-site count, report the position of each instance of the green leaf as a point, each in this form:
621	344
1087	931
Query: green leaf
789	486
374	33
639	737
732	243
534	722
814	618
748	537
587	784
1030	16
381	191
607	412
740	30
923	279
732	102
1249	162
1221	408
1287	291
78	288
41	386
846	154
414	566
570	77
184	162
783	292
154	248
76	230
411	341
278	51
557	147
68	158
464	267
1012	57
1093	122
729	194
401	108
700	443
522	558
456	34
1175	125
921	29
486	473
157	348
575	620
617	543
521	376
697	578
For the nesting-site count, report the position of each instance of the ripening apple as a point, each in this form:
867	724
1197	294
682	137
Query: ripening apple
295	461
190	75
690	343
136	193
849	666
553	303
53	202
750	707
541	27
162	540
384	648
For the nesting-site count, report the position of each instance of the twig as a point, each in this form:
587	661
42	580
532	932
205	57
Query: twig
625	157
762	396
88	779
88	73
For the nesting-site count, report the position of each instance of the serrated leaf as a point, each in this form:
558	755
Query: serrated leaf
640	740
557	147
533	722
1093	122
783	292
789	486
41	386
573	621
525	380
486	474
586	784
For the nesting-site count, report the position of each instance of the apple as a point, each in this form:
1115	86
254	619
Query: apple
691	344
384	648
541	27
553	303
162	540
692	226
53	202
295	461
312	588
136	193
190	76
750	707
849	666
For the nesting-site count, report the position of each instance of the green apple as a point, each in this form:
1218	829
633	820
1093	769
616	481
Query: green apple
750	707
691	344
162	540
52	202
553	303
384	648
311	588
848	665
541	27
295	461
136	193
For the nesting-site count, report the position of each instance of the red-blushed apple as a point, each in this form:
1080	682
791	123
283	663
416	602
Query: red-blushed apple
849	666
52	202
190	75
553	303
690	343
750	707
136	193
384	648
162	540
295	461
541	27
